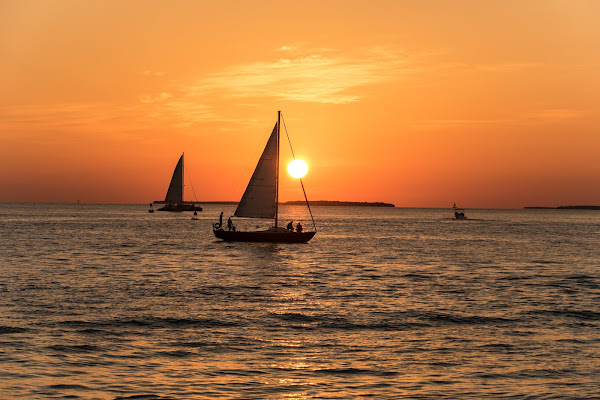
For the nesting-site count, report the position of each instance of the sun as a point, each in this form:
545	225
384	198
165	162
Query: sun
297	168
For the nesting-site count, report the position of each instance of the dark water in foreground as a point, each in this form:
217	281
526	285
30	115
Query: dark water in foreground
110	302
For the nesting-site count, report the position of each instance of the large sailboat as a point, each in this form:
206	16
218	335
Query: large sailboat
174	199
261	199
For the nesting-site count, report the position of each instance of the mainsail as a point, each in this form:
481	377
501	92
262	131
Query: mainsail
259	199
175	192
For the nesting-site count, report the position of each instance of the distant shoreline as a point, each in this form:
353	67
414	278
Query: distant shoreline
217	202
564	208
329	203
326	203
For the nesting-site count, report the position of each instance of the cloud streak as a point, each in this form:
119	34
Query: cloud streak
313	78
326	78
532	117
52	116
323	76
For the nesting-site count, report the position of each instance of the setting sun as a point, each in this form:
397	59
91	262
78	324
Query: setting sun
297	168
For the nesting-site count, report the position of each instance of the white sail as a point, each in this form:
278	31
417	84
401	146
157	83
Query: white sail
259	199
175	192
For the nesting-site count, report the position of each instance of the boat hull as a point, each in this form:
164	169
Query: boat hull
180	207
459	213
264	236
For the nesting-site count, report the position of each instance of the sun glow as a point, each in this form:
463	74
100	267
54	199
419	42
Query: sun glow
297	168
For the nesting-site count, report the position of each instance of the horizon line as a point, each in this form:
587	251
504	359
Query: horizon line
230	202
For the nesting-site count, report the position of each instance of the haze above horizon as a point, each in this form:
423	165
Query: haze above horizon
420	104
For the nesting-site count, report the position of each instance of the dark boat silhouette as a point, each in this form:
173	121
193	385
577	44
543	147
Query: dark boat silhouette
459	213
260	200
174	198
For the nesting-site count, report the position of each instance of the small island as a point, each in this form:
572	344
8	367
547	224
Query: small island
565	208
329	203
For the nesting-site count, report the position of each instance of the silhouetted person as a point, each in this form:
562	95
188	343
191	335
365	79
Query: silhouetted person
298	228
229	224
221	220
290	226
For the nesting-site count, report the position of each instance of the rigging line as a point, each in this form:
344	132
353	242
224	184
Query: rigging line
191	184
308	205
288	137
301	183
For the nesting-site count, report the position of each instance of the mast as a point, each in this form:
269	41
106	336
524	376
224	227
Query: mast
182	178
277	169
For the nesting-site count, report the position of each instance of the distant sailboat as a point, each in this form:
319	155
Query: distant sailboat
174	199
260	200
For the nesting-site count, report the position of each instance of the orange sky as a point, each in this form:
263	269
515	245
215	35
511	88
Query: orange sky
418	103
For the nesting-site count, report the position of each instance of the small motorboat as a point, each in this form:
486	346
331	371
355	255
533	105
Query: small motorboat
459	213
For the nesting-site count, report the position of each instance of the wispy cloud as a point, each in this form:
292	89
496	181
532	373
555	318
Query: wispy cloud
532	117
437	124
508	66
324	75
155	98
150	73
328	76
65	122
555	115
180	113
50	116
311	78
286	48
318	76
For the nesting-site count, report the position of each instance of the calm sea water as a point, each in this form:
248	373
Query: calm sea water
110	302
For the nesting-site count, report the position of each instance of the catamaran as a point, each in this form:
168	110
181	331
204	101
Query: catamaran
261	200
174	199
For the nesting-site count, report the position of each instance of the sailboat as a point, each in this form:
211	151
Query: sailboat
260	200
174	199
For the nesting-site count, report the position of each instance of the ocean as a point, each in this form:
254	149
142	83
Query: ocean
111	302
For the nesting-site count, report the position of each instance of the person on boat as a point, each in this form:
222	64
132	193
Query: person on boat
290	226
221	219
299	228
229	224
